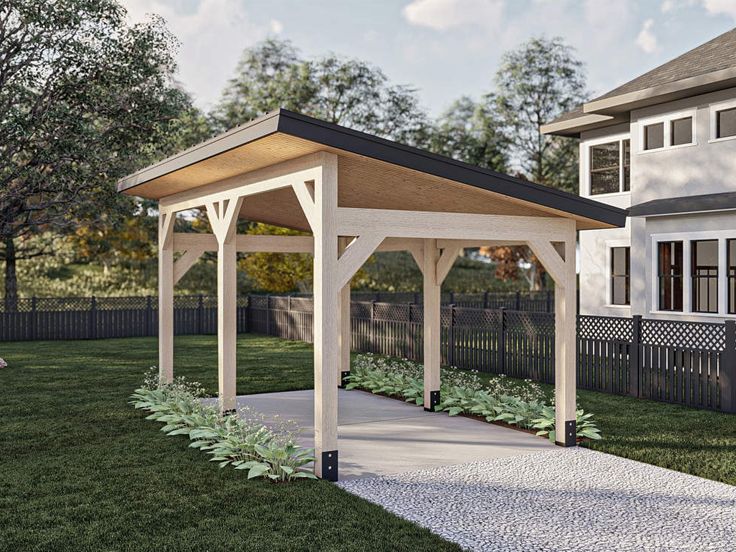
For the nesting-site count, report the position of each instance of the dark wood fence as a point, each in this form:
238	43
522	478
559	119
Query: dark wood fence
689	363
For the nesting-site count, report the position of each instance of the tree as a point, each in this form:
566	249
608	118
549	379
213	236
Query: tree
83	98
469	132
343	91
535	83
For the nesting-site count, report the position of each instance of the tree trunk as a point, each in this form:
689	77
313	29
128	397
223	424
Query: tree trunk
11	278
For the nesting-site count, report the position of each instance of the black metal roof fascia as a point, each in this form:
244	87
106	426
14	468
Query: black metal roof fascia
413	158
360	143
690	204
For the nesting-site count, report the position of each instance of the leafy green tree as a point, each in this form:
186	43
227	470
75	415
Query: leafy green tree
535	83
343	91
83	99
469	131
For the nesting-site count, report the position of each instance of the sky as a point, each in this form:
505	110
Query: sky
443	48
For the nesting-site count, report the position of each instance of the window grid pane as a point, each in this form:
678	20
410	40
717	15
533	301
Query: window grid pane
620	275
670	275
682	131
704	274
604	168
654	136
627	165
726	123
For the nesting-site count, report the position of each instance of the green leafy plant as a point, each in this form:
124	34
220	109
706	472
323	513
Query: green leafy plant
521	404
244	442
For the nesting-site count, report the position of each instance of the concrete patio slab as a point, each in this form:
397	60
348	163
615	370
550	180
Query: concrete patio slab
382	436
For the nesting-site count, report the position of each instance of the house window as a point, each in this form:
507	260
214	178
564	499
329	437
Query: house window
726	123
627	164
604	168
681	131
620	275
731	273
704	274
669	264
654	136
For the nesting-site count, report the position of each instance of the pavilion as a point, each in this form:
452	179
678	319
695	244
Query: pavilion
356	194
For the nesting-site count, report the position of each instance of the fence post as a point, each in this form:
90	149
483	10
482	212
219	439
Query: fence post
410	333
452	298
268	315
635	357
34	318
372	328
727	375
246	321
518	301
200	315
149	316
289	330
451	335
485	300
93	318
549	300
416	298
502	343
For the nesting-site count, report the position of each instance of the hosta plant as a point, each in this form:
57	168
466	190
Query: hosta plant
245	442
521	404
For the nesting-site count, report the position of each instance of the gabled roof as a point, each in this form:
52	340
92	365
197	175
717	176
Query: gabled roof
373	173
710	66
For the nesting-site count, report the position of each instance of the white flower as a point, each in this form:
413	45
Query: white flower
3	364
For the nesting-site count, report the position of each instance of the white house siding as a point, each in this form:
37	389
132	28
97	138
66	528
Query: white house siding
706	167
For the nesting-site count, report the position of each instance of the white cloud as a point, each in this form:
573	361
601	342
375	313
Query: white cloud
442	15
276	26
212	34
646	40
667	6
720	7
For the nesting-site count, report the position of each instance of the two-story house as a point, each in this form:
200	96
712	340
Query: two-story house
663	146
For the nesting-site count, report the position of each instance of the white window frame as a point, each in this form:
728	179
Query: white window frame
667	120
714	108
610	244
686	238
620	137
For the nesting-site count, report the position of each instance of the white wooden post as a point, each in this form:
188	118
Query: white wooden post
326	320
223	216
345	335
565	348
431	289
166	296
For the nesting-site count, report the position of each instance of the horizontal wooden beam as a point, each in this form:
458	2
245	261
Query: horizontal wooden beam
246	243
281	175
400	244
454	226
468	244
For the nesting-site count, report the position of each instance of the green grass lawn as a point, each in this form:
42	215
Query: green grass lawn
82	470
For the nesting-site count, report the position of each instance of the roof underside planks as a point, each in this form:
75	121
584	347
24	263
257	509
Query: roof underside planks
373	173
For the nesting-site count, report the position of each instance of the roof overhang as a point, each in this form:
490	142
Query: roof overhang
684	88
574	126
707	203
379	169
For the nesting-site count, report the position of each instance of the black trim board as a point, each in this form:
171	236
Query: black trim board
360	143
690	204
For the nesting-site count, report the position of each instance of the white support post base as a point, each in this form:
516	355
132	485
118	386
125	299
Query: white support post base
431	290
327	357
166	296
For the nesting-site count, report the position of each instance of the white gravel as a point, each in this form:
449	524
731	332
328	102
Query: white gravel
562	500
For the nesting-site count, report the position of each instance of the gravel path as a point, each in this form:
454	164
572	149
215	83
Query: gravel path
561	500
